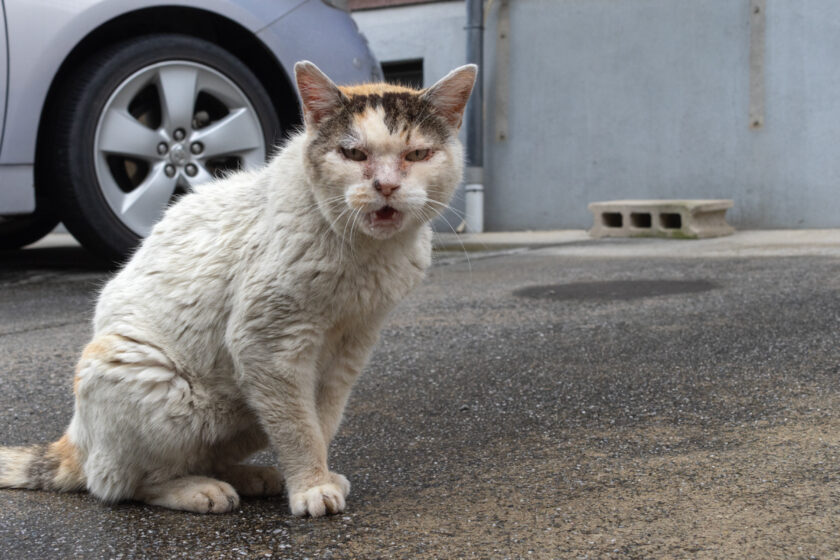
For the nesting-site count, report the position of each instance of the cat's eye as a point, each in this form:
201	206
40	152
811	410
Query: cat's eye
417	155
354	153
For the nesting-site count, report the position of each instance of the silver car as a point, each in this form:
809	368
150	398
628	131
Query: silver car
115	107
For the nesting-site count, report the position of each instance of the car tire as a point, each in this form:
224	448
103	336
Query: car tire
19	231
109	207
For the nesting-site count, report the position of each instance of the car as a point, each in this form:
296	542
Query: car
114	108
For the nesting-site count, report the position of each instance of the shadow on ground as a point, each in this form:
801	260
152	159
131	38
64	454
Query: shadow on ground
53	258
623	408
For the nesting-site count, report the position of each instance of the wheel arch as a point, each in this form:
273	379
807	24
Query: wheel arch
190	21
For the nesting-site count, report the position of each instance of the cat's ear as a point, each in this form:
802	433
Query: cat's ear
320	96
449	95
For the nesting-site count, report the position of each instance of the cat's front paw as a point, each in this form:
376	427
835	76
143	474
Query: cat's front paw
321	499
341	481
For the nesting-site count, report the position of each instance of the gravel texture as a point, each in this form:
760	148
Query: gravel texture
522	404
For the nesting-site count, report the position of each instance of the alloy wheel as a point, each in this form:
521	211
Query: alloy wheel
167	128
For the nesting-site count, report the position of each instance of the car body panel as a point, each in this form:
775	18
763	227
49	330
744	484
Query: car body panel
32	58
41	34
3	69
353	63
17	189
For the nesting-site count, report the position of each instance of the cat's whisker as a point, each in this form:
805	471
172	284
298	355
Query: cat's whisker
333	222
342	241
445	207
458	237
434	189
329	199
351	220
331	204
422	217
328	203
343	230
356	216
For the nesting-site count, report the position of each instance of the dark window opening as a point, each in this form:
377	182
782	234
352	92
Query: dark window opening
404	72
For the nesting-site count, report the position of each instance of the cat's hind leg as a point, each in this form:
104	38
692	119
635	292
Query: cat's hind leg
199	494
137	427
225	459
253	480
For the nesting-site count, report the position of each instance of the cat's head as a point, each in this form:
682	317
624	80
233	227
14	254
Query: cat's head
382	158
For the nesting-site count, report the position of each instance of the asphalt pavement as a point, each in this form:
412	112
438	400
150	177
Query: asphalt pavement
554	398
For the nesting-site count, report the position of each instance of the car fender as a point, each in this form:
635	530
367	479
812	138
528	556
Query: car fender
40	37
353	63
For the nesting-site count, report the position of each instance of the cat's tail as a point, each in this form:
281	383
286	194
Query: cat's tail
50	466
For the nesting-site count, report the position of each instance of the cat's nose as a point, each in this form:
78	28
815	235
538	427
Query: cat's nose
385	188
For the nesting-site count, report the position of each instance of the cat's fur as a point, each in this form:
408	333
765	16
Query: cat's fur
245	317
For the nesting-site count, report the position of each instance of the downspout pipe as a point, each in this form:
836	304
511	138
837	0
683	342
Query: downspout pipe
474	173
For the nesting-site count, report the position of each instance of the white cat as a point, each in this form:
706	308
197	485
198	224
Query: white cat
245	317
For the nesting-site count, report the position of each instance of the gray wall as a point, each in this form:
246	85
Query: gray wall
613	99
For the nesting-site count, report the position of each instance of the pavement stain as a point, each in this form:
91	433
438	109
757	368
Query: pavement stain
698	425
615	289
653	489
722	504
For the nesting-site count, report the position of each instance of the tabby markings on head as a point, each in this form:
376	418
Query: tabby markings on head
404	109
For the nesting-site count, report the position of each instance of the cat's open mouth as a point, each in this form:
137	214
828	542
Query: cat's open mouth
386	217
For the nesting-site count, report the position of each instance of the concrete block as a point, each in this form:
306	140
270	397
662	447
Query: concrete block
684	219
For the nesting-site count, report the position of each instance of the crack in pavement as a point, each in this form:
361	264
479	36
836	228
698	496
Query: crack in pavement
41	328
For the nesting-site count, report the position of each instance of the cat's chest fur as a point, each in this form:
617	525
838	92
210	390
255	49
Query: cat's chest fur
334	290
370	284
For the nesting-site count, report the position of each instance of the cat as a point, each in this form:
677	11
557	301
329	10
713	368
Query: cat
244	318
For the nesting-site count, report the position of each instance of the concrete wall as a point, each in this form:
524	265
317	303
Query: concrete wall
612	99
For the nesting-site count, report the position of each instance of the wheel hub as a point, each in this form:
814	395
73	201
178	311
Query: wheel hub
179	155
